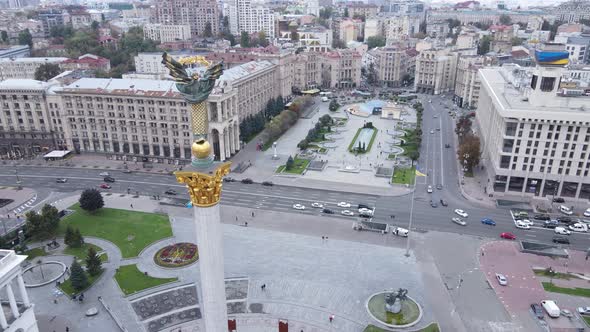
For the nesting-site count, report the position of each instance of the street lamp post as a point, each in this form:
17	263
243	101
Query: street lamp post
411	217
18	181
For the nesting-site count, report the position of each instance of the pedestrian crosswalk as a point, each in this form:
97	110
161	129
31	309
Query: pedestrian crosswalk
26	206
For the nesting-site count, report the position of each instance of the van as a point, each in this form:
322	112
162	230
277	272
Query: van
579	227
565	210
400	231
551	308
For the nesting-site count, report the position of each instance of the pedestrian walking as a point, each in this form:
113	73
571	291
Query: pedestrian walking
236	218
263	287
482	254
246	224
67	329
331	318
252	214
132	206
323	238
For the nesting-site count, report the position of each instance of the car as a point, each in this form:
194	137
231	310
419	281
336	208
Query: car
347	213
170	192
541	217
228	179
488	221
429	189
561	239
526	221
344	205
105	186
501	279
520	215
461	213
433	204
327	211
537	310
508	236
584	310
521	225
558	200
61	180
247	181
317	205
562	231
109	179
432	131
565	210
430	100
587	213
565	220
443	202
579	227
437	129
400	231
447	145
363	206
267	183
435	116
550	223
439	186
459	221
103	174
298	207
566	313
366	212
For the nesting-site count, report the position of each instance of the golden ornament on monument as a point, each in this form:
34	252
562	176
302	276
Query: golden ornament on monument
201	148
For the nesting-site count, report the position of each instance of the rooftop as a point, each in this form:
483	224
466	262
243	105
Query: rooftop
23	84
33	60
153	88
238	72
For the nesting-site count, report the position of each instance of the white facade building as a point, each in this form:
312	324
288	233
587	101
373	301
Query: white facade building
24	67
244	15
15	316
467	83
167	33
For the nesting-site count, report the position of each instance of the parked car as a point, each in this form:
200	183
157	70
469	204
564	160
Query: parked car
565	210
127	171
587	213
459	221
267	183
579	227
443	202
550	223
566	220
488	221
327	211
558	200
61	180
562	231
501	279
508	236
347	213
228	179
170	192
584	310
542	217
567	313
537	310
109	179
551	308
561	240
363	206
521	225
247	181
344	205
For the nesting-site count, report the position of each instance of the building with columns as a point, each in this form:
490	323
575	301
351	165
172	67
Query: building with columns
467	83
17	315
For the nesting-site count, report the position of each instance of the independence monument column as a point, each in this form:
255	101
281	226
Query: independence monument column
204	181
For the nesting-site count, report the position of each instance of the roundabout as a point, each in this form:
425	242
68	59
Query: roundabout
177	255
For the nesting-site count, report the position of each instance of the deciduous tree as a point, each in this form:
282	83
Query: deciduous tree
91	200
469	152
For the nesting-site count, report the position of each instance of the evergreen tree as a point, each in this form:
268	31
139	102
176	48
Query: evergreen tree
69	236
208	33
346	12
77	239
78	277
91	200
93	263
25	38
290	163
244	39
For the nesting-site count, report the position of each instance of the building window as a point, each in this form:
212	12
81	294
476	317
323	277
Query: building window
534	82
547	84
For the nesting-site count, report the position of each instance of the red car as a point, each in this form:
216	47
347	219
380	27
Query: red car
508	236
105	186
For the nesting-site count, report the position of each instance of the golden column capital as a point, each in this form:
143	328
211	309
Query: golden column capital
204	189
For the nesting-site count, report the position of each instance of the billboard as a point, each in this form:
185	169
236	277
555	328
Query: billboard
552	58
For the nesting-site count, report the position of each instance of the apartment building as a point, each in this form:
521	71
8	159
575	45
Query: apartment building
534	136
166	33
467	39
393	64
15	316
436	69
26	126
24	67
579	49
358	9
314	38
196	13
244	15
399	28
341	69
307	71
438	29
501	38
572	11
51	18
467	83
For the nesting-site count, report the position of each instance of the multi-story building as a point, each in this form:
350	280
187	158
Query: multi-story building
87	62
137	12
393	65
196	13
483	16
579	49
347	29
373	27
312	38
438	29
80	19
15	316
25	122
402	7
397	28
167	32
436	69
341	69
51	18
307	71
572	11
467	39
358	9
17	51
534	135
467	83
24	67
501	38
250	17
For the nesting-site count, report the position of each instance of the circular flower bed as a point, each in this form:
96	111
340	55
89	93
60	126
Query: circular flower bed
410	314
177	255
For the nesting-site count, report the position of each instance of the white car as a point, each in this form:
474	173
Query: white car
432	131
429	189
461	213
459	221
579	227
317	205
527	222
104	174
298	207
347	213
344	204
501	279
587	213
522	225
365	210
584	310
562	231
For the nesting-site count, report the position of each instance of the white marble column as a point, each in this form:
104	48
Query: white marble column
237	137
23	291
226	138
3	322
210	241
12	301
221	137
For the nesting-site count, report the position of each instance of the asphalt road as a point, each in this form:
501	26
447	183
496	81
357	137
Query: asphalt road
282	198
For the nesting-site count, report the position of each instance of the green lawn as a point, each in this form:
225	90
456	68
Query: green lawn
131	280
67	288
585	292
131	231
430	328
404	175
33	253
587	320
104	257
299	165
80	253
556	275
